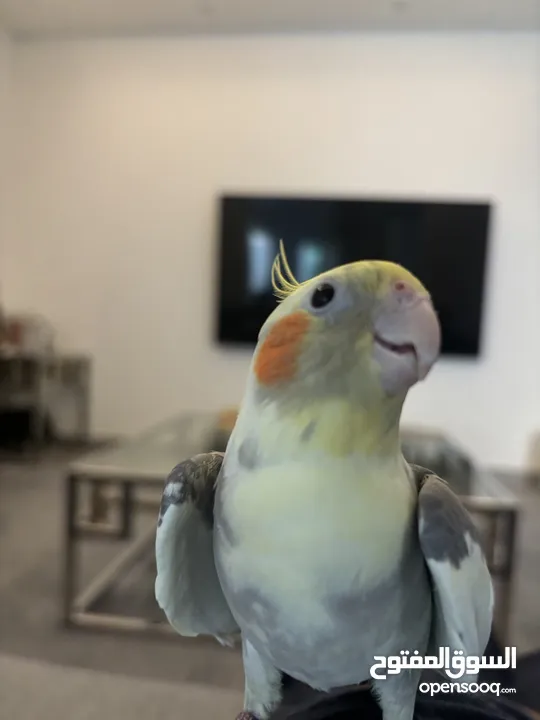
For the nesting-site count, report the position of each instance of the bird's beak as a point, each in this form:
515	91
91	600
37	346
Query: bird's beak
407	338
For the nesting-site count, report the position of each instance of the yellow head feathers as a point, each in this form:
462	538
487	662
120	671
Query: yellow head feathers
377	276
283	281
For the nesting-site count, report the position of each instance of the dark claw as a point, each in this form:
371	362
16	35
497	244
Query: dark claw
246	715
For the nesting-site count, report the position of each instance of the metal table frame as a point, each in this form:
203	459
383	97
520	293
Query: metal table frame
499	508
503	521
142	461
77	604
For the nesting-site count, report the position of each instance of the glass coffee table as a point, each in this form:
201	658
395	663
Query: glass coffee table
112	495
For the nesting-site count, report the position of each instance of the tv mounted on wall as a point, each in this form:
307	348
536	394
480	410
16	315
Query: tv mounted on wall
444	243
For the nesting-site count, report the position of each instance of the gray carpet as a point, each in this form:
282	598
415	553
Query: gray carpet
30	560
33	690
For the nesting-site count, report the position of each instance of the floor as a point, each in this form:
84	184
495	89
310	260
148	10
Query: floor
66	693
30	561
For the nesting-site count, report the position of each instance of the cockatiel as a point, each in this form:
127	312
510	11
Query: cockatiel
312	537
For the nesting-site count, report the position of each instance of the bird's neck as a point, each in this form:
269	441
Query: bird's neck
333	427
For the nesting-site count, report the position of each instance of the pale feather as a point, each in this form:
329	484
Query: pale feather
187	587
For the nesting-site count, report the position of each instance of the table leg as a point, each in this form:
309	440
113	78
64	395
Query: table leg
70	546
491	544
83	387
99	502
127	510
39	414
508	568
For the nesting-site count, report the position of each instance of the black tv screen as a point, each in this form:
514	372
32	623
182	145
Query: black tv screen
443	243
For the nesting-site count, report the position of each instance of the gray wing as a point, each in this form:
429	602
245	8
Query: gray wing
463	592
187	585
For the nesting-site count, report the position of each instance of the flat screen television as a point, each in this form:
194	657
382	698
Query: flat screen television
444	244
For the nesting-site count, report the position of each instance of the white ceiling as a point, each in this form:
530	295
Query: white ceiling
37	18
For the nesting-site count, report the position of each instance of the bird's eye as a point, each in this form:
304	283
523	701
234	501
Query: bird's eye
322	295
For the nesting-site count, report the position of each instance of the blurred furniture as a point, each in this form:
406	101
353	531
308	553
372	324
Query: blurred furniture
104	488
133	466
39	382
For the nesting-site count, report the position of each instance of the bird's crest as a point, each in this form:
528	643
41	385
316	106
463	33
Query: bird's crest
283	280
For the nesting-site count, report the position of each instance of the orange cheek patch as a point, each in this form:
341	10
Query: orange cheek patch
277	357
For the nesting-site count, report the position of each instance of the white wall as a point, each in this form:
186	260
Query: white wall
122	147
5	68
